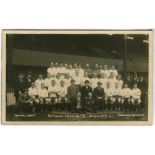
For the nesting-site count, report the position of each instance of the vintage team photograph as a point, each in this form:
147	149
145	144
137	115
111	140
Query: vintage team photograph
77	77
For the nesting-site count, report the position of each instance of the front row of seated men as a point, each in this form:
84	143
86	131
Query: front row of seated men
84	99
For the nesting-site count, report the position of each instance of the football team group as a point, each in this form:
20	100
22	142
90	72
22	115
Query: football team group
73	88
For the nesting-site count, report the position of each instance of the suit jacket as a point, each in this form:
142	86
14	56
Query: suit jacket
85	91
99	92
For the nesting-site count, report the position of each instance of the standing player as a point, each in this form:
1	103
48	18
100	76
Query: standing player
77	79
88	70
94	81
114	71
105	71
103	80
126	98
83	79
112	80
71	71
108	97
136	97
51	69
81	71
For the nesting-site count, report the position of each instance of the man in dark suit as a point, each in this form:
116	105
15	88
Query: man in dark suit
143	87
85	90
19	85
99	96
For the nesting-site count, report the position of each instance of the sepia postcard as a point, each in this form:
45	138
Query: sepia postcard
77	77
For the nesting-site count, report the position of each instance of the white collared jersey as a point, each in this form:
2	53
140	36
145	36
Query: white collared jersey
58	81
83	79
117	91
108	92
81	72
42	93
93	82
62	91
32	92
77	80
126	92
120	83
103	81
114	71
52	71
47	81
136	93
106	72
67	82
38	83
53	90
112	82
71	72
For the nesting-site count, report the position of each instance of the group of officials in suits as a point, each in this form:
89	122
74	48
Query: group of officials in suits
69	87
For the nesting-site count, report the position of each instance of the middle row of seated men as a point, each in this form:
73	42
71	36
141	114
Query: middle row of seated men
78	95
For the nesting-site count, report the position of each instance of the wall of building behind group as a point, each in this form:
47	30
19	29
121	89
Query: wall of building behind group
35	58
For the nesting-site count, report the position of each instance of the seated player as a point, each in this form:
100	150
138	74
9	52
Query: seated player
52	94
42	98
136	97
126	98
112	80
33	93
116	96
62	95
120	81
108	97
58	79
94	81
113	70
67	80
72	91
48	79
89	105
129	81
103	80
99	96
24	103
39	81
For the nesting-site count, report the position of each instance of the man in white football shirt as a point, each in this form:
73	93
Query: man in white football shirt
77	79
81	71
39	81
108	96
83	79
103	80
94	80
116	96
105	71
120	81
47	80
136	97
43	97
51	69
126	98
114	71
112	80
62	93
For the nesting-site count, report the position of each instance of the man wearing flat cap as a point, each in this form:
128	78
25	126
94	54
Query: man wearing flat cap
72	91
85	90
99	95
